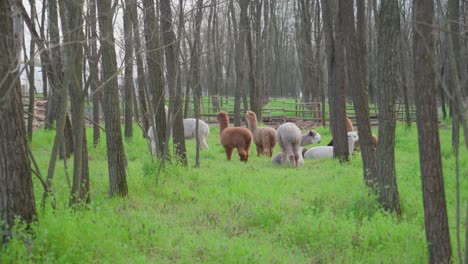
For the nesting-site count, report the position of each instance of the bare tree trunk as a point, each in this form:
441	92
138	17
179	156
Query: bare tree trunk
110	103
359	92
335	65
389	36
142	96
55	96
31	71
155	75
171	45
16	186
128	75
195	73
239	57
93	61
435	211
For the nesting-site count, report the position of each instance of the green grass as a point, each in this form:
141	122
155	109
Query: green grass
233	212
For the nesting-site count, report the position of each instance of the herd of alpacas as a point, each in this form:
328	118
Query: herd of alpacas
288	136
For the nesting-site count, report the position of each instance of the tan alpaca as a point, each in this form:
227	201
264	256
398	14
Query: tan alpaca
234	137
263	137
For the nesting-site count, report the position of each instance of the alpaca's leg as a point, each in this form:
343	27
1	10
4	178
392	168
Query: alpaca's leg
296	152
203	144
259	150
228	151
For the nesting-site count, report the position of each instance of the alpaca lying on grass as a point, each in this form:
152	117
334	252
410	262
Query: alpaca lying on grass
189	133
234	137
306	139
327	151
289	139
264	137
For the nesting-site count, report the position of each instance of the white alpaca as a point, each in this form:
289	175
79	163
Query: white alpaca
306	139
189	133
327	151
289	137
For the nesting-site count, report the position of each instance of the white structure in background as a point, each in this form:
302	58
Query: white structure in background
37	79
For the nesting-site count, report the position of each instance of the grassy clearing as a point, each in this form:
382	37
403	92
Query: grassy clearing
231	212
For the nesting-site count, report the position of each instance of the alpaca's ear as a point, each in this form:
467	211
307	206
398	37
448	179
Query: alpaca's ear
311	133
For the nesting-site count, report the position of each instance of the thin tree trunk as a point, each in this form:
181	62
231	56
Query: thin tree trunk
142	96
171	45
93	65
155	76
435	211
195	73
128	75
32	71
110	103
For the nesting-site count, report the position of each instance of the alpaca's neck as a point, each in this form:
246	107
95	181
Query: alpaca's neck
252	123
350	146
223	124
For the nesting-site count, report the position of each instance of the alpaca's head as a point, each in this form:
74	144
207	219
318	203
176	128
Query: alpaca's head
353	137
222	116
310	137
223	120
251	118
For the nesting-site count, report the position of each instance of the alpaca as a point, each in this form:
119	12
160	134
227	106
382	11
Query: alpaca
327	151
189	133
234	137
306	139
203	131
278	158
289	139
349	128
374	139
264	137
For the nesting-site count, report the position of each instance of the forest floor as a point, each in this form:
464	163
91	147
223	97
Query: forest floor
234	212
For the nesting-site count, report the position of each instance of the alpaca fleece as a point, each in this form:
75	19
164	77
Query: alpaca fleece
264	137
289	137
234	137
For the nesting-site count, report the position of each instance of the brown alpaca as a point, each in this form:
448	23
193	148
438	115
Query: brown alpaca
234	137
264	137
375	140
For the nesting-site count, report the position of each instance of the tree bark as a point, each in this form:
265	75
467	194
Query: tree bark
435	211
93	61
389	36
171	45
128	75
155	76
142	96
335	65
110	103
16	186
73	35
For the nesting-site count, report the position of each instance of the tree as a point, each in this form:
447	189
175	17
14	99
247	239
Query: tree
171	47
239	58
128	75
335	66
388	57
142	95
435	211
110	103
155	75
195	73
93	60
16	186
73	36
358	90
